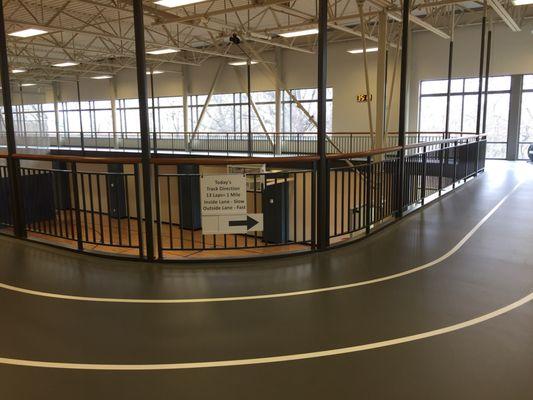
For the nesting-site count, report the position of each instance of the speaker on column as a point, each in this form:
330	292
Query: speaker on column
117	191
189	199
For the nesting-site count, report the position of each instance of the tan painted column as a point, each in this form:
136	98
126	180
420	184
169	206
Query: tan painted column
381	91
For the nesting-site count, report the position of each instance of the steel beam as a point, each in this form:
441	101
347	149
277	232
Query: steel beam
140	52
323	173
404	94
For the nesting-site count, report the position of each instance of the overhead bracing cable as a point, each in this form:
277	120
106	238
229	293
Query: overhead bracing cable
487	71
450	69
393	82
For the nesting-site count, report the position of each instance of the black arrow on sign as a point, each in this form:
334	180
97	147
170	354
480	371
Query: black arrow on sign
249	223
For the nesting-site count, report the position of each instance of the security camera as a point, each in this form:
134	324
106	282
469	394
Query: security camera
235	39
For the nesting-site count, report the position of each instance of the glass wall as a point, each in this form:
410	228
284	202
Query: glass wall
526	117
225	113
463	109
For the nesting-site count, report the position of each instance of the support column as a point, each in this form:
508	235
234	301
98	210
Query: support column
480	77
113	83
140	53
249	95
152	92
323	173
186	91
57	99
513	136
487	74
82	135
279	109
404	98
13	166
381	91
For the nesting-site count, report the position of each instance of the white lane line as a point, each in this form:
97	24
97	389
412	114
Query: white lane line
274	359
452	251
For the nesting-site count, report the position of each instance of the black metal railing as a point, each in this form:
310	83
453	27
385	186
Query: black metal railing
94	204
365	194
214	143
6	216
79	207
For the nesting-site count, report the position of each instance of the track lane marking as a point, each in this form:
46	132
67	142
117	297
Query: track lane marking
273	359
438	260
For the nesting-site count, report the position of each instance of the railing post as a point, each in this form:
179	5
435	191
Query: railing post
77	213
138	20
424	173
249	95
368	193
82	134
13	165
454	163
138	209
323	171
441	165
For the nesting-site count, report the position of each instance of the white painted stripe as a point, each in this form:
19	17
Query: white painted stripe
448	254
274	359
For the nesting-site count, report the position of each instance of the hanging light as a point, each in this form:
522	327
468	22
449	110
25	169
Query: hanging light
305	32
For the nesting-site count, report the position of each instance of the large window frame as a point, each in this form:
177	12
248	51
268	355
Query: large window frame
526	118
464	99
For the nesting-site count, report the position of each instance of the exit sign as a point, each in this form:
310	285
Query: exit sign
363	98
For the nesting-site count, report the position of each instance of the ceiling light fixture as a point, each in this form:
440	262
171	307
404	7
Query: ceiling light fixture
176	3
241	63
28	33
522	2
156	72
28	84
102	77
18	71
359	51
305	32
162	51
66	64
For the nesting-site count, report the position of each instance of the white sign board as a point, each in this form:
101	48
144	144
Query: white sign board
224	205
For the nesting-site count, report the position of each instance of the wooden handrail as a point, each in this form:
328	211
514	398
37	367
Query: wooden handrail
236	160
78	159
363	154
443	141
233	160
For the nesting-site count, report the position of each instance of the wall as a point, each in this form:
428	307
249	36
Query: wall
512	53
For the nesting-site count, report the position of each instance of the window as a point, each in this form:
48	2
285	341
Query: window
463	109
526	118
295	119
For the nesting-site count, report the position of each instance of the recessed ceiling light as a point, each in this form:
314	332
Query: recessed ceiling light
102	77
66	64
18	71
305	32
359	51
176	3
28	33
522	2
240	63
28	84
156	72
162	51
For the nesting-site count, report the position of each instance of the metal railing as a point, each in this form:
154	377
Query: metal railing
94	204
178	220
216	143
